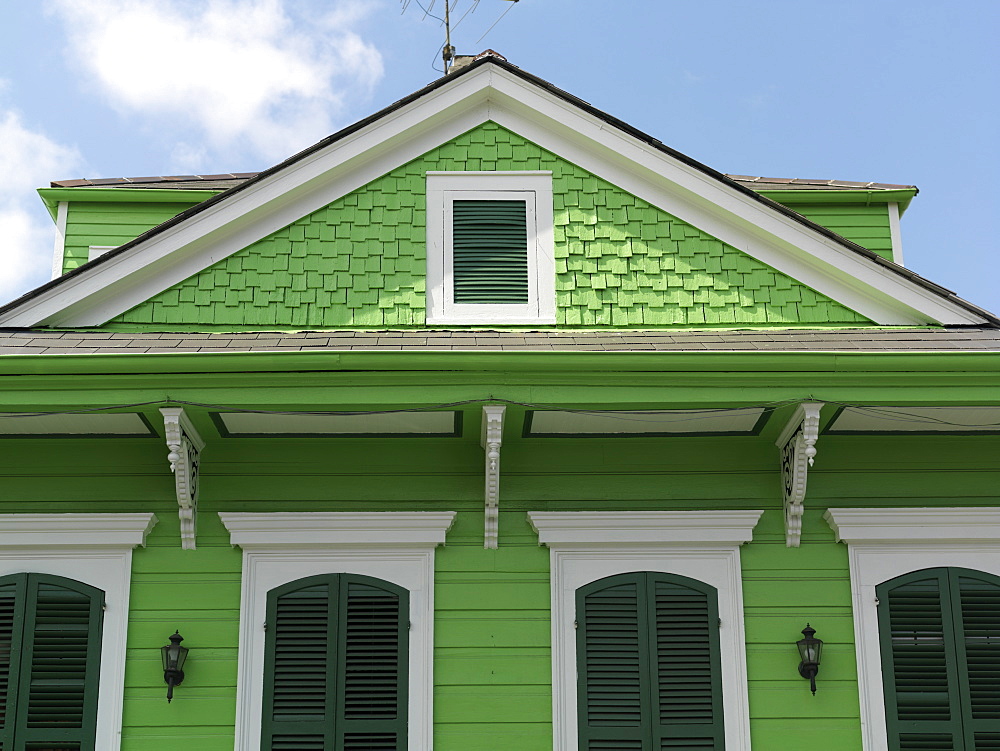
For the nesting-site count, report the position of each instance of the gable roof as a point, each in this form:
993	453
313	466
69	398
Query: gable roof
491	88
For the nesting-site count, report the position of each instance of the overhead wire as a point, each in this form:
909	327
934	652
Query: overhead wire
496	22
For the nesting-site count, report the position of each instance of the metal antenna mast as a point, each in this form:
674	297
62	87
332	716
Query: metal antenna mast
448	51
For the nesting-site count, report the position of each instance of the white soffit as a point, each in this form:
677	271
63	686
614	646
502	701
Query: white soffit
393	424
553	423
488	93
106	425
915	420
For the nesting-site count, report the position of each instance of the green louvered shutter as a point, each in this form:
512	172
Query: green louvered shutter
490	252
50	649
649	665
940	636
335	665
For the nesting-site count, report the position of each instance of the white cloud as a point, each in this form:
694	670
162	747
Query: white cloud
226	76
28	160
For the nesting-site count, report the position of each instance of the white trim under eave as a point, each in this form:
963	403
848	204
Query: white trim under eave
489	93
895	235
59	250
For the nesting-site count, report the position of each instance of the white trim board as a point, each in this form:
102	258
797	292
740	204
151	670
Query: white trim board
59	248
95	549
487	93
886	543
589	545
278	548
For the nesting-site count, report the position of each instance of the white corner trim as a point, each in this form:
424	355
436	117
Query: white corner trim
490	439
797	443
489	93
532	187
587	546
184	446
280	548
886	543
376	528
45	531
914	525
59	249
558	528
95	549
895	235
94	251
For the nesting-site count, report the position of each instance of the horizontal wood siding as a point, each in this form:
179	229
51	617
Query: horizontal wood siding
92	223
492	657
868	226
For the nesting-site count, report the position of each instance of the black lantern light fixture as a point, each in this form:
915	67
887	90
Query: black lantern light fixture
810	649
174	656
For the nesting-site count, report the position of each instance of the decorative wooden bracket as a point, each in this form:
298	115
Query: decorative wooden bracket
491	438
798	450
185	447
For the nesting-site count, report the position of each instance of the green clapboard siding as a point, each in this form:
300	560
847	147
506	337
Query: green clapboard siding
361	260
492	667
110	224
868	226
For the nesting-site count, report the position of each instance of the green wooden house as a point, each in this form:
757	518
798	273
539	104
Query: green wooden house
492	423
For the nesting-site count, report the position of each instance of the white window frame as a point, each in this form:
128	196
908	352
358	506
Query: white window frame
279	548
702	545
95	549
532	187
886	543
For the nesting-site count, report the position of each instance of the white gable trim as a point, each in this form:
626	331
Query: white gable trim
488	93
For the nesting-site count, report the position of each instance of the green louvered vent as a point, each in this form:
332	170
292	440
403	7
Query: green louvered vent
490	252
926	742
612	675
301	633
919	653
371	659
650	663
981	621
335	666
58	684
8	605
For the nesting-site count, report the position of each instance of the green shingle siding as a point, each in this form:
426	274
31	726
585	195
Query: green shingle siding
361	260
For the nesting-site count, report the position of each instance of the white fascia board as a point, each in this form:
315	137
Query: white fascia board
489	93
557	528
915	525
714	207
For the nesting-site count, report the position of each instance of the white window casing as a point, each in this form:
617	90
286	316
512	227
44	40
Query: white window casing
886	543
535	189
95	549
278	548
702	545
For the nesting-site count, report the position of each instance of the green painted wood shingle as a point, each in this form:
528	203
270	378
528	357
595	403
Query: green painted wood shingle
361	260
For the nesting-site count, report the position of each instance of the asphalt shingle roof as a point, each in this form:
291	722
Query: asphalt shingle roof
971	339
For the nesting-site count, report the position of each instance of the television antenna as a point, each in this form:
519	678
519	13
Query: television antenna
448	49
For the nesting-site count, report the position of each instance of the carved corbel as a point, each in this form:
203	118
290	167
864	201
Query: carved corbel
492	436
185	447
798	451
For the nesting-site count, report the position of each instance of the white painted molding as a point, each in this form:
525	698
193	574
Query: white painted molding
368	529
95	549
587	546
185	447
279	548
59	249
895	234
95	251
886	543
45	531
489	93
798	451
914	525
490	440
532	187
557	528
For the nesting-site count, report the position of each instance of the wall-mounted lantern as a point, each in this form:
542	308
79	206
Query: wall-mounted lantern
810	650
174	656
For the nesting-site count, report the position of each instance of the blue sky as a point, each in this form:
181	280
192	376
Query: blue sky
865	90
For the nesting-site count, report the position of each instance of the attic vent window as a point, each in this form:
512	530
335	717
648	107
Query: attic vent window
489	248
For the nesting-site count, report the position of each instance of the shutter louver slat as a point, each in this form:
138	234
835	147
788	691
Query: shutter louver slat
980	605
490	252
926	742
8	603
301	636
371	664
